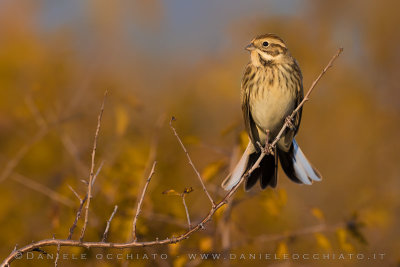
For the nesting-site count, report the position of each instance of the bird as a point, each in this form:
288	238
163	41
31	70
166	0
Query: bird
271	88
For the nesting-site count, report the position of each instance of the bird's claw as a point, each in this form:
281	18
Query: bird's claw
289	123
267	149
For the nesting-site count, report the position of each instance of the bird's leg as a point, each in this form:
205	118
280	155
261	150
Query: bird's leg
267	149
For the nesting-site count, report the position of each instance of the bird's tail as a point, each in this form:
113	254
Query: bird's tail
296	166
266	172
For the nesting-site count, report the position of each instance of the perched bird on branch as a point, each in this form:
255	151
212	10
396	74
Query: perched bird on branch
272	88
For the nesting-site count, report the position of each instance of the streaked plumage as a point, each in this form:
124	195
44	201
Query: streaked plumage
271	89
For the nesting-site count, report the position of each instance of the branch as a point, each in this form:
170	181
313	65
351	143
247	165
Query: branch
151	158
182	195
11	164
58	255
108	224
191	163
134	238
91	175
81	203
319	228
77	217
186	210
42	189
39	135
75	193
306	97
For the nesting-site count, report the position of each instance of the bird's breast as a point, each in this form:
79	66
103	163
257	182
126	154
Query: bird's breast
271	102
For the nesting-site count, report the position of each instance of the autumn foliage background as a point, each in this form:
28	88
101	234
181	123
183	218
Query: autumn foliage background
185	58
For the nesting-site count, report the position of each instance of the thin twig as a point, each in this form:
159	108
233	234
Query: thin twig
71	148
306	97
186	210
224	227
97	172
319	228
75	193
40	121
11	164
191	163
134	238
152	153
58	255
77	217
65	139
91	175
32	184
108	224
43	130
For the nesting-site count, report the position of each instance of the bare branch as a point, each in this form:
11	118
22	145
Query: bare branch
40	121
97	172
306	97
91	175
32	184
108	224
11	164
75	193
191	163
152	153
77	217
43	130
319	228
58	255
186	210
134	238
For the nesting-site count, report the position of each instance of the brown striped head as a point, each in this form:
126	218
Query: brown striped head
267	48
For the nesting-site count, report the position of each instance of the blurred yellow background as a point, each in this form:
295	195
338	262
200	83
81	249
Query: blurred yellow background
185	59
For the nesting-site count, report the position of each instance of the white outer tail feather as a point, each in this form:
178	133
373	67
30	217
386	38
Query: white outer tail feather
238	172
302	167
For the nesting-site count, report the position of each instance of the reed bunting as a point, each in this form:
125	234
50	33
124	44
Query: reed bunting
271	89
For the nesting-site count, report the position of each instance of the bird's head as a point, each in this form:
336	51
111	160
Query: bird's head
267	48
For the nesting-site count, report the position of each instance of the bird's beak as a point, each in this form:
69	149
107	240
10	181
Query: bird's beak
250	47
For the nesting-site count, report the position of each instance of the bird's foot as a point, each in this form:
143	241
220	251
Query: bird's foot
289	123
268	149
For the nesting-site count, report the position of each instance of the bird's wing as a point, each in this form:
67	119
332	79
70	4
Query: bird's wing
299	98
289	134
250	125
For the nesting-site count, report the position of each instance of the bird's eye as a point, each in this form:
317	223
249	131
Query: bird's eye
265	43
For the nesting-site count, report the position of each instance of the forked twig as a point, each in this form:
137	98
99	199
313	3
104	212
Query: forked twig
91	175
191	162
77	217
